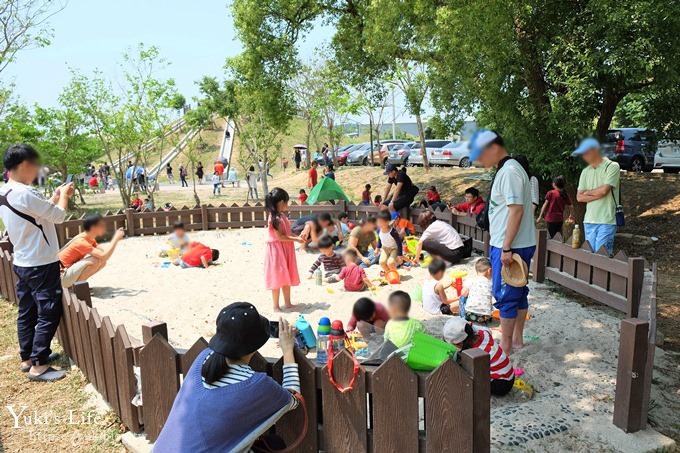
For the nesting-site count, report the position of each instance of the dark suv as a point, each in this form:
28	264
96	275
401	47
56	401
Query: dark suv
633	148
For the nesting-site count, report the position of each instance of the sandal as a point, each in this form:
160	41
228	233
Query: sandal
49	375
51	359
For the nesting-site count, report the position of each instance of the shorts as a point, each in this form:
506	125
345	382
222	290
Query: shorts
501	387
388	256
474	317
72	274
509	299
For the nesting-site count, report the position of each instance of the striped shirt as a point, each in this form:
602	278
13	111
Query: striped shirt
499	364
239	373
331	264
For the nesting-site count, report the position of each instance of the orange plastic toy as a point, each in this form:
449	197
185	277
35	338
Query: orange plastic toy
392	277
457	277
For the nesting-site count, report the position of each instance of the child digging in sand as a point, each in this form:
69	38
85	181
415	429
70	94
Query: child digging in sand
478	303
331	261
389	242
352	274
280	263
368	317
400	328
435	300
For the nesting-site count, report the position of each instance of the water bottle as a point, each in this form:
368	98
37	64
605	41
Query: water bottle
337	336
318	276
576	237
322	349
306	332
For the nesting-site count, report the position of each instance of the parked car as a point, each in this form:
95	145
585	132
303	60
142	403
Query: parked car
416	157
667	157
342	153
452	154
633	148
362	156
359	155
400	153
384	149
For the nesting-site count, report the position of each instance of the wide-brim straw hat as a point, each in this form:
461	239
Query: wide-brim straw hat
517	273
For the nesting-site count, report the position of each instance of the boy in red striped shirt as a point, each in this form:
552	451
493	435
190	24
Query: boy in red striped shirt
459	332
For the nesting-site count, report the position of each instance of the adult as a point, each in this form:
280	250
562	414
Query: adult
440	239
312	175
29	221
200	172
297	158
168	173
329	172
598	187
309	229
223	404
363	240
511	228
473	205
331	227
183	176
82	257
404	189
556	207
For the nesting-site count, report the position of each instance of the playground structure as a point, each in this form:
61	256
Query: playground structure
456	397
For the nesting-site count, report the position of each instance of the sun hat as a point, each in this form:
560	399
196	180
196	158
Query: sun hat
389	168
240	330
454	330
479	141
516	273
586	145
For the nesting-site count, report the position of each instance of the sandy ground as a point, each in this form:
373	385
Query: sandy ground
570	358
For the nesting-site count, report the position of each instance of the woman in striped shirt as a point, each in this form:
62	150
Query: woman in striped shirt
223	404
462	334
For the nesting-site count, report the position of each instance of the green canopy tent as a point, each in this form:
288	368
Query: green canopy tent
326	190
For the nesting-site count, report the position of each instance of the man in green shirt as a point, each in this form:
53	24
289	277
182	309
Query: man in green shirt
598	187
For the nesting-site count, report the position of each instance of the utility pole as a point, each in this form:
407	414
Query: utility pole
394	117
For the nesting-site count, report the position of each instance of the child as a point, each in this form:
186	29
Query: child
280	264
251	179
377	201
345	224
400	328
404	227
303	196
197	255
148	204
435	300
329	172
331	261
368	317
354	276
137	204
478	305
556	207
389	242
433	196
366	195
178	240
462	334
217	183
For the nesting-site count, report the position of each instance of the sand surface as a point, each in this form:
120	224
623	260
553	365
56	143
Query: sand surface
570	358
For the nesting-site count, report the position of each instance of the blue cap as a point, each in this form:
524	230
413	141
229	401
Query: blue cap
479	141
586	145
389	168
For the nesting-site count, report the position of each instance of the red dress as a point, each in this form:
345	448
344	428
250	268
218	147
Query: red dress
280	262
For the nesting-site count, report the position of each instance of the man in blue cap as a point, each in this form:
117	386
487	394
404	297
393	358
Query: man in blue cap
598	187
511	228
404	193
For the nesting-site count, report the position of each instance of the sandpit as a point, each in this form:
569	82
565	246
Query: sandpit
570	360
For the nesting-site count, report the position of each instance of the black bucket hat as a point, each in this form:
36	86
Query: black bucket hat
240	330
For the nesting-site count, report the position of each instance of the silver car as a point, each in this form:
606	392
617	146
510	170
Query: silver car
400	153
359	155
451	155
416	157
667	157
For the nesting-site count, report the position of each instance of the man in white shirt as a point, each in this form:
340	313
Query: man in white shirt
29	219
511	229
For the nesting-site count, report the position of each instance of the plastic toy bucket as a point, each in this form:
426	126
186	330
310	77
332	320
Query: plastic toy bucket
427	352
411	244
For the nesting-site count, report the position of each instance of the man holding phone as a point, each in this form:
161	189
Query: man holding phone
29	220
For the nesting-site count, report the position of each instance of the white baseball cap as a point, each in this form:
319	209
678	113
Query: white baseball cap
479	141
454	330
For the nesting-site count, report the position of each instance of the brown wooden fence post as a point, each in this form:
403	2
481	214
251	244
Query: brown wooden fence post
61	234
130	220
540	255
82	292
630	376
636	277
476	362
152	328
487	243
204	217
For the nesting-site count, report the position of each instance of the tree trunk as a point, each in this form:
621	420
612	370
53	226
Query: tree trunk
610	100
263	172
193	181
370	136
421	136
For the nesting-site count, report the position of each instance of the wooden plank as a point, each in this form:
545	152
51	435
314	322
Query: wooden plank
594	292
289	425
66	338
160	384
344	414
97	356
4	285
394	378
130	222
82	292
569	266
618	284
84	316
540	256
476	363
448	401
630	375
187	359
594	259
76	316
649	295
106	334
554	261
636	275
125	375
259	363
9	278
77	344
601	278
584	272
152	328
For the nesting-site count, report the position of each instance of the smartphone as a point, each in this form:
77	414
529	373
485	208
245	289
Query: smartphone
69	178
273	329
